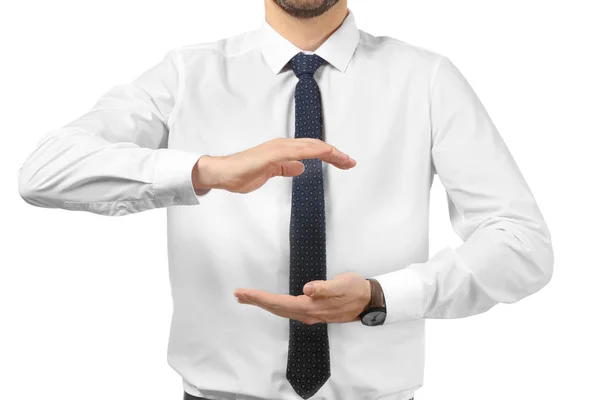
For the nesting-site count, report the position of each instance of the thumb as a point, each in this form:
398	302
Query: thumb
319	288
291	168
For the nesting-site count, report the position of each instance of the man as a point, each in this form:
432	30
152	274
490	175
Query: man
295	162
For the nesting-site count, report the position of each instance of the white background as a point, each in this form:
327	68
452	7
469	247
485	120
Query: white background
85	299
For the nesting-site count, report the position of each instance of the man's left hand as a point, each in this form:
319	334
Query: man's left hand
340	299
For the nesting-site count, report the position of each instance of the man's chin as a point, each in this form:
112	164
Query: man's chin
305	8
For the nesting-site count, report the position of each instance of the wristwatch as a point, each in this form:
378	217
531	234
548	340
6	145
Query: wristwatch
375	312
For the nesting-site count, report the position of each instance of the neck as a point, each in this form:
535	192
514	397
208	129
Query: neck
306	34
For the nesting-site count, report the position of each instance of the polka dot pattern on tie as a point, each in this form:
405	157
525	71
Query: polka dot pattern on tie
308	365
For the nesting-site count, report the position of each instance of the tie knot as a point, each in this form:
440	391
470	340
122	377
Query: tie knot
303	63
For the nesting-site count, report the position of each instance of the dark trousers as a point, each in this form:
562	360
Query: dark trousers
187	396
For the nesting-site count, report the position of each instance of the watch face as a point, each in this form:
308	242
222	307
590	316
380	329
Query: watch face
374	318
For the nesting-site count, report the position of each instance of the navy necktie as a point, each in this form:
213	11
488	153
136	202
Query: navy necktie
308	353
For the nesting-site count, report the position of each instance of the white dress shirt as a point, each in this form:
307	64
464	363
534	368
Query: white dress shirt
403	112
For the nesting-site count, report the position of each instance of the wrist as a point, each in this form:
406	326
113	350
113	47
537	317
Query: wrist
367	295
375	312
203	175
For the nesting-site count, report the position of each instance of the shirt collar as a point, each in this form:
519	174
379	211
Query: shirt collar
337	50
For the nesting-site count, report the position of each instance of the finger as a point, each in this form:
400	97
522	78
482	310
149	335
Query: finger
282	312
307	148
351	163
272	300
326	153
307	318
338	158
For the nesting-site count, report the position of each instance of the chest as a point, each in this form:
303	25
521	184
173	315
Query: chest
379	203
368	118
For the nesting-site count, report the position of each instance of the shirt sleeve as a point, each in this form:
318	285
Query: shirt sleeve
114	159
506	252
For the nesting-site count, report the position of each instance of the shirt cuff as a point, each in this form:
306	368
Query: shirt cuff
404	295
173	177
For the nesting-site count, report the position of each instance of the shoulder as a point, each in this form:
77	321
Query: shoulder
395	50
231	46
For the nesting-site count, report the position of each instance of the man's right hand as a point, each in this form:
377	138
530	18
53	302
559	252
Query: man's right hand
248	170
